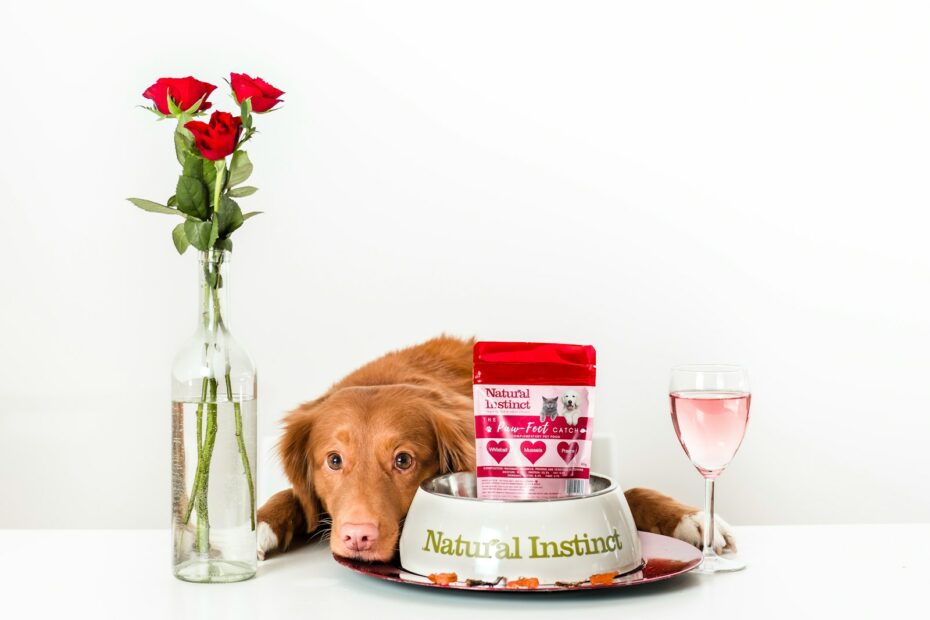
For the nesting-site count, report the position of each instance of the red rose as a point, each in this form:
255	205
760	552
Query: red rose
264	96
219	138
185	92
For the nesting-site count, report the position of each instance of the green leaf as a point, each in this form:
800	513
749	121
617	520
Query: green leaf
198	233
152	207
224	244
251	214
245	190
229	217
240	169
180	238
173	201
192	197
183	144
194	166
209	175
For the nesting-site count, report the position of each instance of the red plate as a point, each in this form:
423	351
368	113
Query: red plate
664	558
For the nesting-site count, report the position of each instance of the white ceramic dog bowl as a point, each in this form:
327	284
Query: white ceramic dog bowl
449	530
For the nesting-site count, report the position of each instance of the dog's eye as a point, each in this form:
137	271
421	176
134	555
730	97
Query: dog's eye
403	461
334	461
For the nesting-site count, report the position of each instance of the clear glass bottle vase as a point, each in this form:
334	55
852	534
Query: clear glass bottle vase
213	418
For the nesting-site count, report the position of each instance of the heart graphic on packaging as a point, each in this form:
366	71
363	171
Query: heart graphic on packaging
533	451
498	449
567	451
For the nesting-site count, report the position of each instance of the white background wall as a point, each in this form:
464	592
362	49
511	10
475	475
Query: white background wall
670	181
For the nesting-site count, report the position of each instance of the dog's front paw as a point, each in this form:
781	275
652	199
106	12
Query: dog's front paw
266	538
691	530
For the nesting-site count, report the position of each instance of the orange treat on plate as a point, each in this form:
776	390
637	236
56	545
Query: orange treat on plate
531	583
603	579
443	579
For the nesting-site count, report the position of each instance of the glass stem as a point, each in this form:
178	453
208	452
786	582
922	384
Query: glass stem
708	542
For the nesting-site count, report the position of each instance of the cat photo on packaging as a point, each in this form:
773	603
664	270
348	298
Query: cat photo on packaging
550	409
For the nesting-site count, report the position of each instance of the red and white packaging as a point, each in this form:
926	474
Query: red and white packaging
534	408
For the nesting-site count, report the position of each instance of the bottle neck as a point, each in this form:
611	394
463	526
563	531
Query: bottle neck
214	284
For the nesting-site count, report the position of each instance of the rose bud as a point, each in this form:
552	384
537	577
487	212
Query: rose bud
184	92
219	138
264	96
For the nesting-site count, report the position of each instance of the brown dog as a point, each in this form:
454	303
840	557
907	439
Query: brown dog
359	453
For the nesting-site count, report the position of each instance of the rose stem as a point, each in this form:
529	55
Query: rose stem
198	473
237	409
242	451
203	521
206	453
203	398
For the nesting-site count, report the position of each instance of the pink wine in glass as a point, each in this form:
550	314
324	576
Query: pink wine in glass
710	426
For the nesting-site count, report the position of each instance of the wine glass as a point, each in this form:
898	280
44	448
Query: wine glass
710	409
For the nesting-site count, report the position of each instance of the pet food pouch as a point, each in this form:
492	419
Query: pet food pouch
534	406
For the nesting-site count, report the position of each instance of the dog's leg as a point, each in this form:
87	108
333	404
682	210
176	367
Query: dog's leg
661	514
279	521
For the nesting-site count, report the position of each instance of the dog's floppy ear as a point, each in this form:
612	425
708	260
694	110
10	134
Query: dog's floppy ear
294	450
454	424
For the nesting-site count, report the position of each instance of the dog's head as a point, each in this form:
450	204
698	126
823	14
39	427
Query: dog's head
571	400
360	454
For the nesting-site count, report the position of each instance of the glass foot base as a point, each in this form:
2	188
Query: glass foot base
719	564
214	571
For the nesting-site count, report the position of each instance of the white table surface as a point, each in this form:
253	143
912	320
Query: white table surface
877	571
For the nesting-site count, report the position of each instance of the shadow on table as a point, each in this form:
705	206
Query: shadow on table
294	562
523	598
